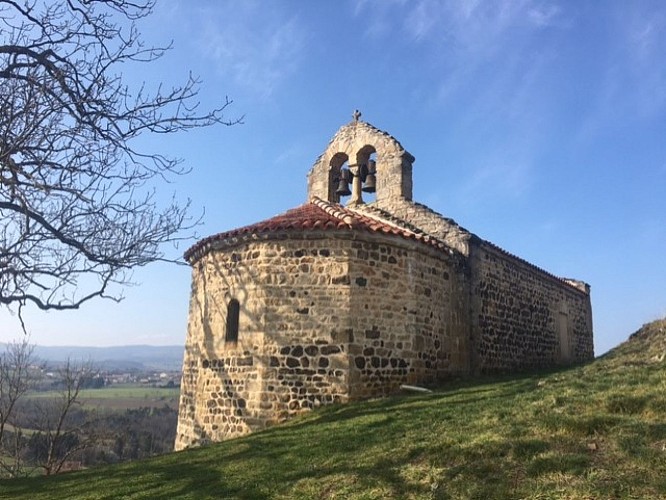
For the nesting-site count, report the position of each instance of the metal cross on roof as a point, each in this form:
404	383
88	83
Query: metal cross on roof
356	115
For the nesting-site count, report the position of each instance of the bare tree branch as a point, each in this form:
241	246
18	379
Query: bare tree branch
53	424
15	381
78	208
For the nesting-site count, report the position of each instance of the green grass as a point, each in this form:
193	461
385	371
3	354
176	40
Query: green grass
597	431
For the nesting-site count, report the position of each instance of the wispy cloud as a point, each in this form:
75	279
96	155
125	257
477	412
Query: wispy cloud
256	44
644	46
501	178
377	15
633	83
469	40
483	59
421	20
465	24
290	154
544	15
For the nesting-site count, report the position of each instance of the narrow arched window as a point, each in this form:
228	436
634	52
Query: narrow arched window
233	313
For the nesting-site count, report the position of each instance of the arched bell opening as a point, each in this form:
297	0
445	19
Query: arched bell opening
366	159
339	180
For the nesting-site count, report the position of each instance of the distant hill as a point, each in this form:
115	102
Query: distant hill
592	431
139	357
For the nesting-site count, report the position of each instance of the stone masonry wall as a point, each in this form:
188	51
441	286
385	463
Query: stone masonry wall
427	220
325	317
409	317
219	381
394	164
523	318
291	348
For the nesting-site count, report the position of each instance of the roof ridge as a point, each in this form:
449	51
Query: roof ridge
317	214
389	221
387	217
334	210
451	221
402	227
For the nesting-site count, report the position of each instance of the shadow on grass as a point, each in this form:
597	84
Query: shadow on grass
362	446
152	480
459	393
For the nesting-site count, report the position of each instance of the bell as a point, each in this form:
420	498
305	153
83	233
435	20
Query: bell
370	184
343	187
363	171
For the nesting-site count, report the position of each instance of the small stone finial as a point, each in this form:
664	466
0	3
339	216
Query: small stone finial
356	115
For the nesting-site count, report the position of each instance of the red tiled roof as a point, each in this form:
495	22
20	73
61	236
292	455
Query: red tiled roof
315	215
322	215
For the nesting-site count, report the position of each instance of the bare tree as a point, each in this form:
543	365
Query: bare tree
78	208
60	437
15	381
43	432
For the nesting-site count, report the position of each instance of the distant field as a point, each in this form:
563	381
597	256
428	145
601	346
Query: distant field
124	396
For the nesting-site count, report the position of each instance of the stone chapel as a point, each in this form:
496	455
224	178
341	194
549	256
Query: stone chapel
341	299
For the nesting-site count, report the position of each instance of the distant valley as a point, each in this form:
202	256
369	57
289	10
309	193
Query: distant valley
130	357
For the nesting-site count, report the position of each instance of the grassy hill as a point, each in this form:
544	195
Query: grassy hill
597	431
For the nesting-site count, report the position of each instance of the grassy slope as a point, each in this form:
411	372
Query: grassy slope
597	431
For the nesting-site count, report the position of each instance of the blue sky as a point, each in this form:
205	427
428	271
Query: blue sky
538	125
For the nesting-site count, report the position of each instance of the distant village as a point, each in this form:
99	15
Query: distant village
152	379
112	377
147	366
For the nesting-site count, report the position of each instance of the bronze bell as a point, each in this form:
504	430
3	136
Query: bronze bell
343	184
370	183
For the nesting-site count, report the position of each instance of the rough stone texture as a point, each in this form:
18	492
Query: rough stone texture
324	318
353	144
342	303
422	219
408	311
524	318
292	299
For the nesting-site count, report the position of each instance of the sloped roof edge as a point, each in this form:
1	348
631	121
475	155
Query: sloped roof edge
315	215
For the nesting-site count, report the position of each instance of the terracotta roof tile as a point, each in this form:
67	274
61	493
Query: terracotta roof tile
315	215
322	215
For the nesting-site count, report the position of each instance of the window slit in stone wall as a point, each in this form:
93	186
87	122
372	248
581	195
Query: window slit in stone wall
233	313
